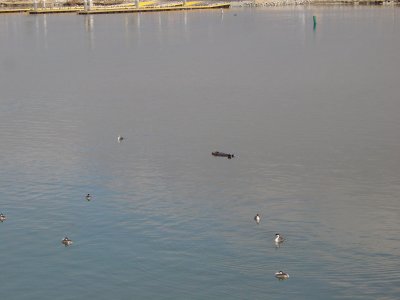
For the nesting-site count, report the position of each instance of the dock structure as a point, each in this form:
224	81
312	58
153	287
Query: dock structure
135	6
55	10
14	10
152	9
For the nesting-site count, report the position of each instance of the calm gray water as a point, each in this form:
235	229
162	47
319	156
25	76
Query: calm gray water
312	116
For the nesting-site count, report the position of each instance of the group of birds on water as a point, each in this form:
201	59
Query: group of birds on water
278	238
278	241
66	241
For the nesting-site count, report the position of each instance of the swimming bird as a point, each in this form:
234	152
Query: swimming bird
278	238
66	241
257	218
88	197
2	218
120	139
281	275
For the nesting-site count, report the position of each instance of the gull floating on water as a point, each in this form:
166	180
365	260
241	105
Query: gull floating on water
281	275
120	139
2	218
66	241
88	197
257	218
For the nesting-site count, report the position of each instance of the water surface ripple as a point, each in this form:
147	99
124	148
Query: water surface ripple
311	115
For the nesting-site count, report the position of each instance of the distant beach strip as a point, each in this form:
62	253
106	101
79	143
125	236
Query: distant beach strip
103	7
125	6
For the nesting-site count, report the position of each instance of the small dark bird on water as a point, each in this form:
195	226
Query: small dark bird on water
66	241
281	275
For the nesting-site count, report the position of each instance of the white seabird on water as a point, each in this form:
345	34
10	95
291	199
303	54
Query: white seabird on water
257	218
88	197
278	238
281	275
120	139
2	218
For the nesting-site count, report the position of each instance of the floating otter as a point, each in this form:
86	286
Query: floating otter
222	154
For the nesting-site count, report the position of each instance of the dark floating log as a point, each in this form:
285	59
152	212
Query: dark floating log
222	154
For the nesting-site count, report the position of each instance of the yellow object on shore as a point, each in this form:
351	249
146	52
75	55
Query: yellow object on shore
191	3
146	3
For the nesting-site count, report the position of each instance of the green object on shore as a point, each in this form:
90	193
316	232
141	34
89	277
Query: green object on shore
315	20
